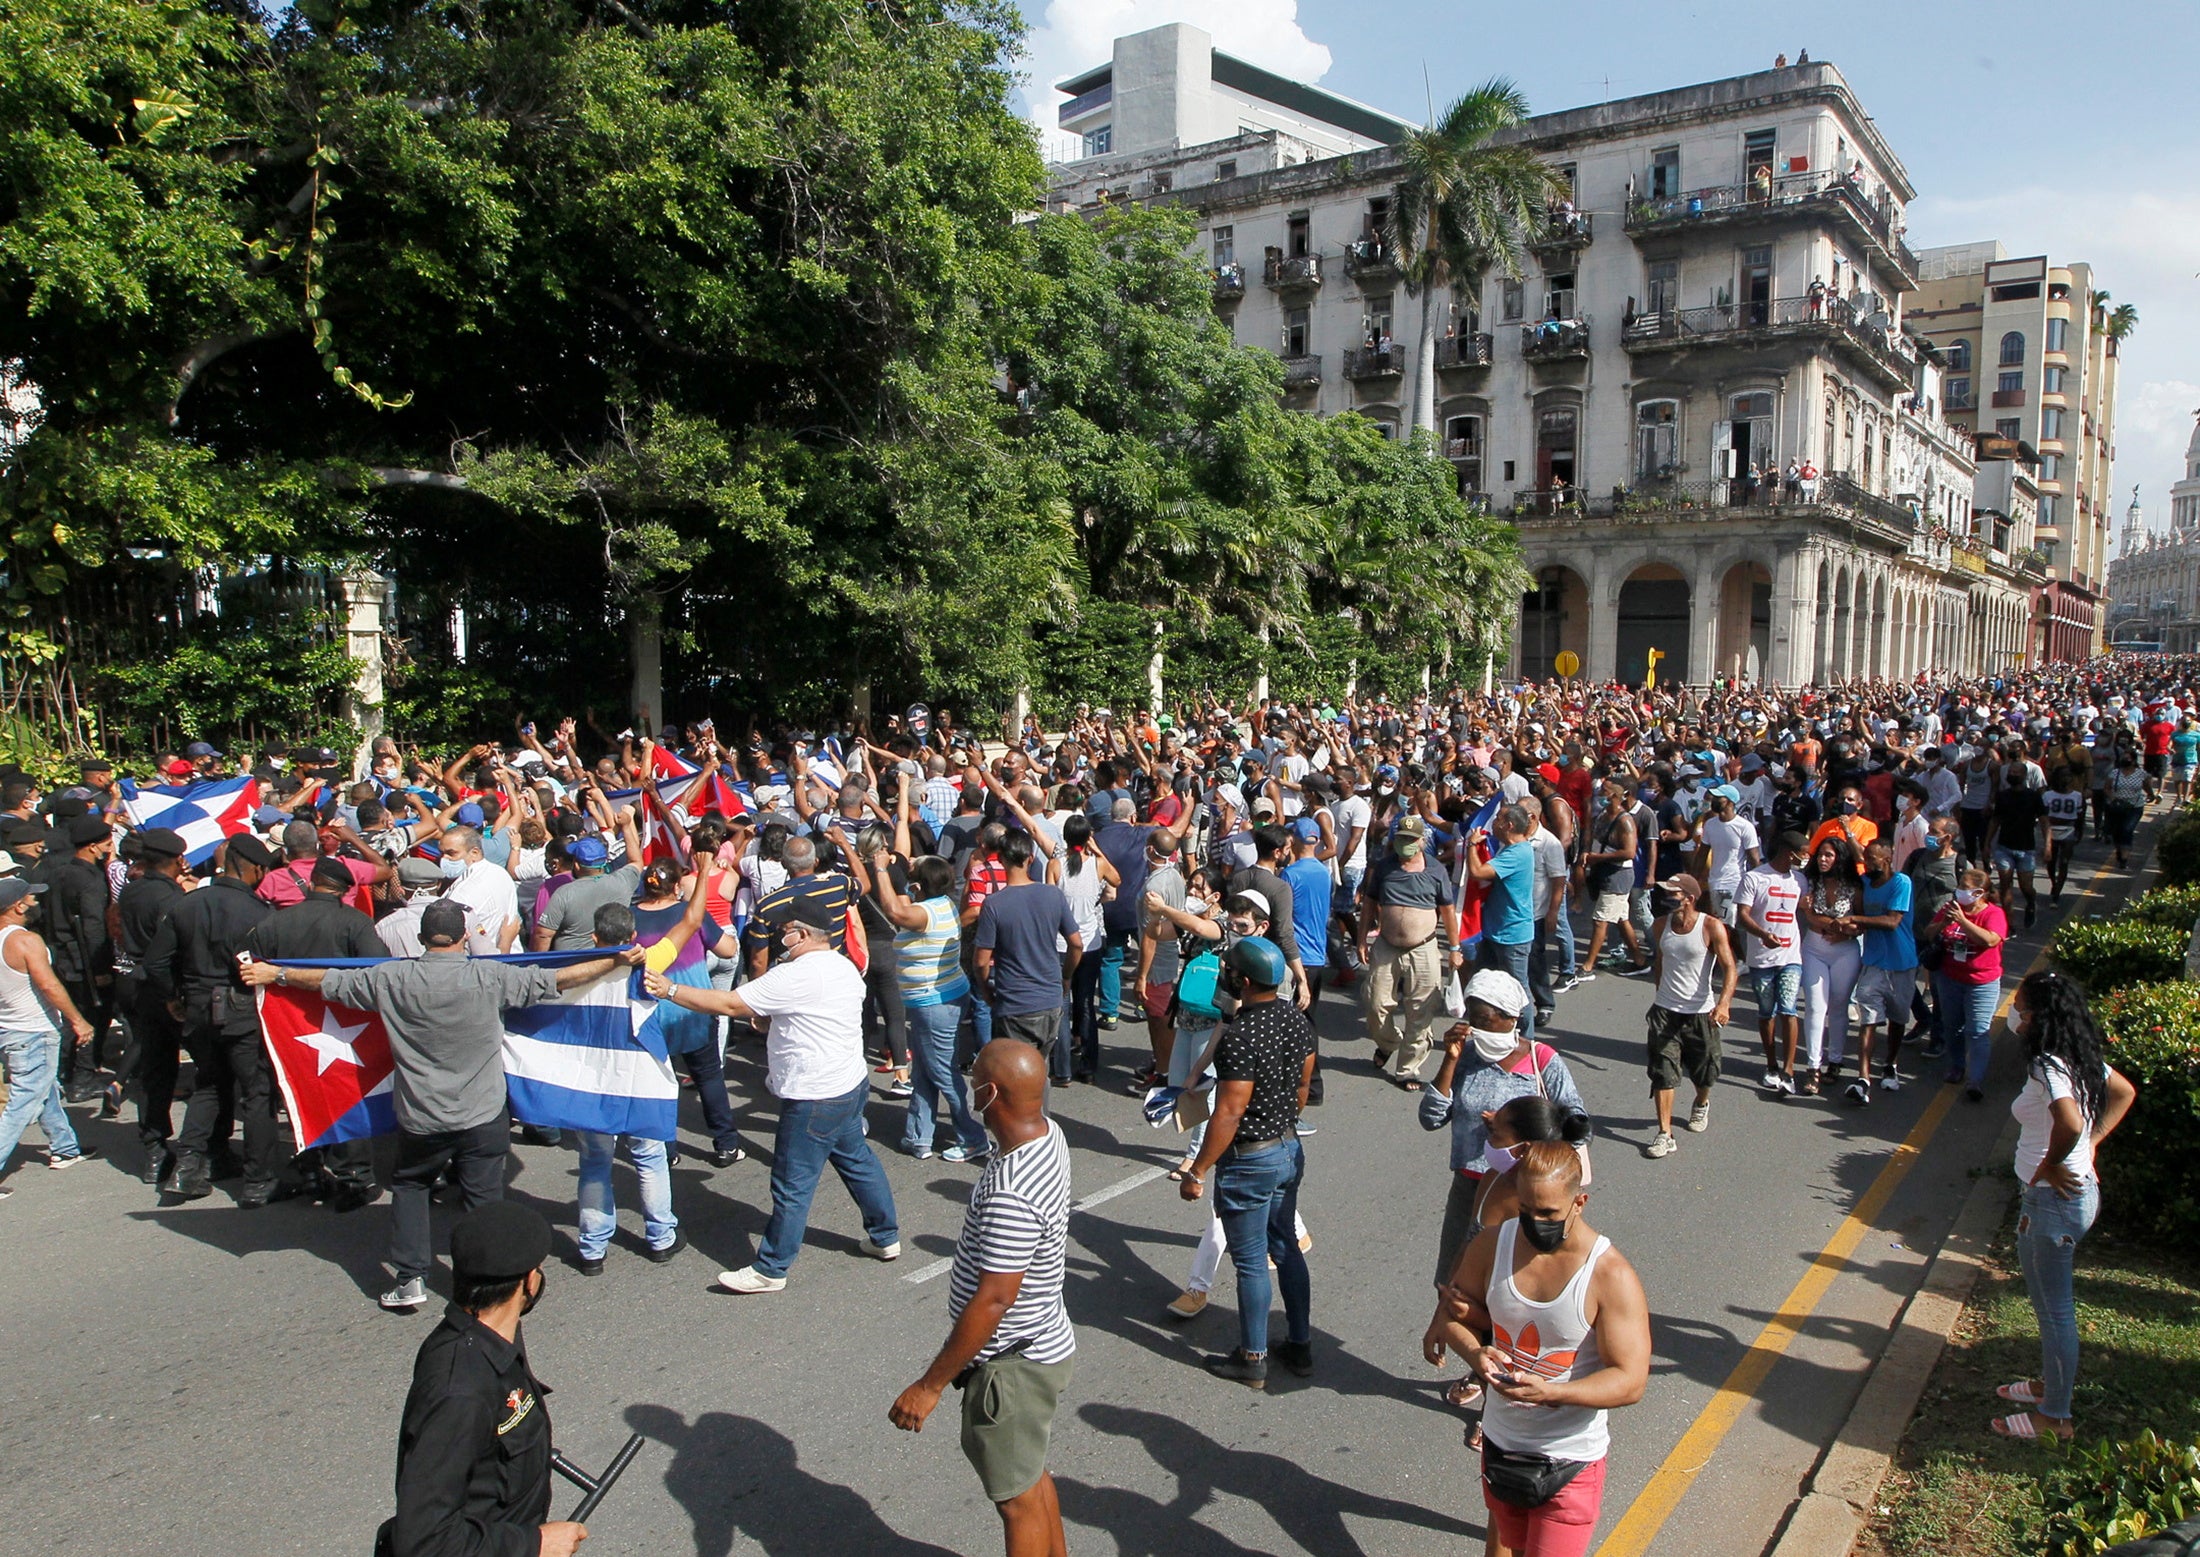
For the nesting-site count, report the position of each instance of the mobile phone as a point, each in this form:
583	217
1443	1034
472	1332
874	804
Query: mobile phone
244	959
528	728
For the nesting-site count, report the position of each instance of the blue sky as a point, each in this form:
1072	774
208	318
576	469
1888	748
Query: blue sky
2061	129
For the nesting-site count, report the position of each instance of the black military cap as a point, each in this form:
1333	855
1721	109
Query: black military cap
162	841
92	765
330	872
86	829
243	846
501	1241
16	830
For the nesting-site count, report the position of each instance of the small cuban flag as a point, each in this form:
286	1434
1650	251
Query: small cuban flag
203	813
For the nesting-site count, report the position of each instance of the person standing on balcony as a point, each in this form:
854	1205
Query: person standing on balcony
1808	477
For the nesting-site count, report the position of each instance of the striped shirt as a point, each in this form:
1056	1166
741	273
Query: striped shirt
1019	1221
930	959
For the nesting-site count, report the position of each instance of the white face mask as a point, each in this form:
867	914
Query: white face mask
1499	1159
1966	896
1493	1047
2016	1019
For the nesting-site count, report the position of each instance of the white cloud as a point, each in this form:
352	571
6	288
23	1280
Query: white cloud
2144	247
1075	35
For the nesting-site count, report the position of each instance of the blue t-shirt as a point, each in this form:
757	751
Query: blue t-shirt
1018	925
1310	887
1895	949
1508	913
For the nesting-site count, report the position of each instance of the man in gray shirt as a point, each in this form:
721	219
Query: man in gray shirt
443	1012
568	920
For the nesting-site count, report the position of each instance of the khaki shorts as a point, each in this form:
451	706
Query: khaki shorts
1609	908
1007	1420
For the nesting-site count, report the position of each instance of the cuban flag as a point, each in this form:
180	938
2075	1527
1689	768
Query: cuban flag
204	813
593	1059
720	798
1472	892
663	825
665	764
827	771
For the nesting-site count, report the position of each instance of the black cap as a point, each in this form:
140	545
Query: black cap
87	829
812	910
92	765
162	841
443	923
501	1241
243	846
16	830
330	872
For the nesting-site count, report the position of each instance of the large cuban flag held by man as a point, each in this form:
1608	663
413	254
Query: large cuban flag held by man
204	813
593	1059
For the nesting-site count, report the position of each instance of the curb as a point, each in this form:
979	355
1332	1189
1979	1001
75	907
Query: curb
1843	1489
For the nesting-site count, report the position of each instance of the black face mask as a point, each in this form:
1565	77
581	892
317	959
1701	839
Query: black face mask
1544	1234
542	1285
1846	807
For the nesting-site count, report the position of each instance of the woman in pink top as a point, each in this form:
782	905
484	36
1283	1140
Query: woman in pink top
1969	931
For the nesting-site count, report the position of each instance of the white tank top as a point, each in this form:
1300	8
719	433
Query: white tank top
1684	978
21	1011
1552	1341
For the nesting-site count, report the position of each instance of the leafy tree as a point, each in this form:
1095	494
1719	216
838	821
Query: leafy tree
1462	202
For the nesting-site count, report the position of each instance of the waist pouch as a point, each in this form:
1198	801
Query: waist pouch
1199	987
1525	1480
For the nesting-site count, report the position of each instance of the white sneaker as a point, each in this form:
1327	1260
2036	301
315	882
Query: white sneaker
1663	1145
1699	1118
1783	1083
750	1279
882	1251
1858	1092
406	1295
1772	1081
1890	1082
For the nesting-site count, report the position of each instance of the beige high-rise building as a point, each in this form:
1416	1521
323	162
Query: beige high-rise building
2028	358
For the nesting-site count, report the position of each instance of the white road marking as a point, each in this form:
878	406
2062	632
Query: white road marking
940	1267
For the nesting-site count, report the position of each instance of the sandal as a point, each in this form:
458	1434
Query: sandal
1409	1083
1181	1171
2020	1393
2020	1426
1465	1393
1808	1086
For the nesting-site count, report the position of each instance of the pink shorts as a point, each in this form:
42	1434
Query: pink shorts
1559	1528
1158	997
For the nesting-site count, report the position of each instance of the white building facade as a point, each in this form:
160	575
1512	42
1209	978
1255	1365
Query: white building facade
2154	581
1718	303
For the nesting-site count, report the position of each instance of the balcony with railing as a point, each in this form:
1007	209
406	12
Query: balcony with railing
1812	196
2006	399
1870	340
1834	499
1462	449
1285	272
1374	362
1464	351
1371	260
1555	340
1301	372
1229	282
1560	232
1085	102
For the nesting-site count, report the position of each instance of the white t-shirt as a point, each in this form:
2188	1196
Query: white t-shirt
1353	815
2034	1111
491	901
1295	768
814	1047
1550	870
1729	843
1770	895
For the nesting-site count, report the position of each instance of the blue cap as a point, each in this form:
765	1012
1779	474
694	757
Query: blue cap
1306	828
1258	959
469	815
269	816
1728	792
587	850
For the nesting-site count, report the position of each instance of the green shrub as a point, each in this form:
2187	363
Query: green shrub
2177	850
2177	907
2150	1174
2109	1493
2107	954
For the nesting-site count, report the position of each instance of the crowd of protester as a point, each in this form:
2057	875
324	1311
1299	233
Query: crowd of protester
882	902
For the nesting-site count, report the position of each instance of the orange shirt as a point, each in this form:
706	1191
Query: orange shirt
1861	830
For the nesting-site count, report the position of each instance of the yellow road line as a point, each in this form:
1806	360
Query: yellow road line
1639	1526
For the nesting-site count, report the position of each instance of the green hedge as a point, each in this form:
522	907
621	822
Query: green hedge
2107	1493
2174	906
2177	850
2150	1172
2108	954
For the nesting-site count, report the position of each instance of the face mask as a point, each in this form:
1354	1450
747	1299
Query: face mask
1499	1158
2016	1019
1846	807
542	1285
1406	848
1966	896
1493	1047
1546	1234
452	869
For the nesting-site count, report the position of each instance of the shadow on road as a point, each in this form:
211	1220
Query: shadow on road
734	1475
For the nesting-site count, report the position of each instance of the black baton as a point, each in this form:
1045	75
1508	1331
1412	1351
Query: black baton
594	1488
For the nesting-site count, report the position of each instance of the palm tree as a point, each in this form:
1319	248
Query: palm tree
1459	211
2122	320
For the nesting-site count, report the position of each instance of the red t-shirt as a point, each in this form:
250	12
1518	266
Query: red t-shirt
1577	786
2156	736
1967	963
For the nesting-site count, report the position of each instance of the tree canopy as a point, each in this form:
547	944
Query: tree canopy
612	317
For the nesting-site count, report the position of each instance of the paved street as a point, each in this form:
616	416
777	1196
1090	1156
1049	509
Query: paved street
205	1380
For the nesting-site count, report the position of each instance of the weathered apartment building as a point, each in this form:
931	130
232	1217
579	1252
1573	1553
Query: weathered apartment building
1720	300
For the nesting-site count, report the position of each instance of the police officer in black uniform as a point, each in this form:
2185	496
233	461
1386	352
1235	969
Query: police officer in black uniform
192	964
323	924
75	922
473	1455
156	1038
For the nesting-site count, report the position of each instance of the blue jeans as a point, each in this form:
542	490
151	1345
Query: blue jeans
33	1063
1569	960
813	1132
932	1074
1089	1000
599	1214
1111	979
1513	959
1966	1026
2049	1229
1257	1197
